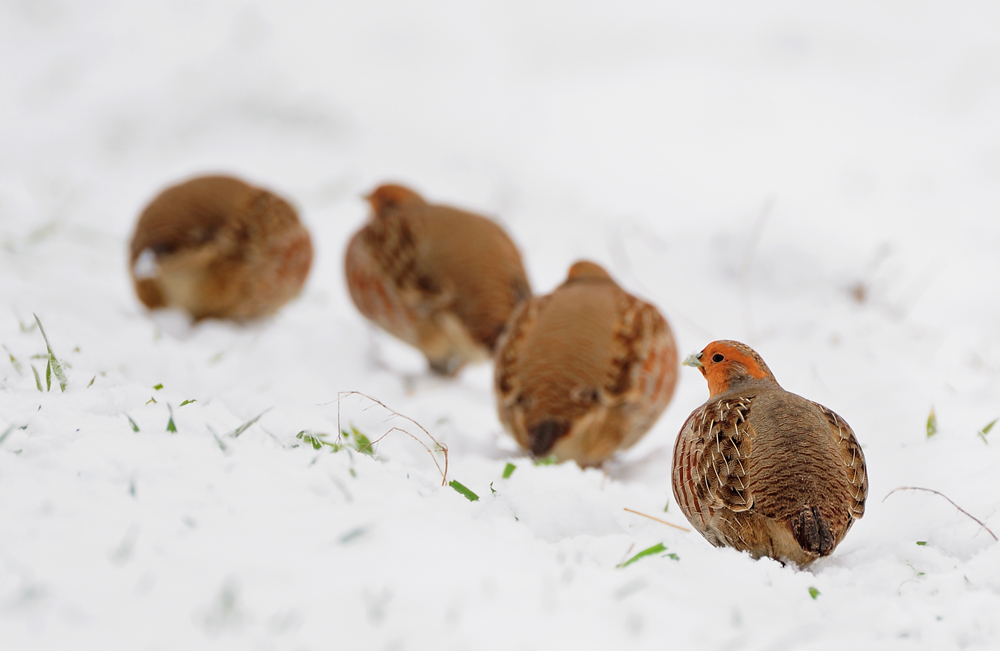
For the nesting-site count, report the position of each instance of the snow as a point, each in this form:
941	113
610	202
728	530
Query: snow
752	168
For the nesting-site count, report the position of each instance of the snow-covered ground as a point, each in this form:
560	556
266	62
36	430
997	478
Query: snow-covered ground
819	180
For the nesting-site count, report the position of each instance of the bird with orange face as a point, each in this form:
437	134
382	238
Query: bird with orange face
584	371
764	470
441	279
215	246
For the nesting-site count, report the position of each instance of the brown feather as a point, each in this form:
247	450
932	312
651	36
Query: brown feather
217	247
441	279
585	370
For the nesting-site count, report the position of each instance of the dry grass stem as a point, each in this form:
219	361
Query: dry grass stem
669	524
931	490
440	446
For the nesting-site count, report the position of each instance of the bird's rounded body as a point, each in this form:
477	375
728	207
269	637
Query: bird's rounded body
215	246
764	470
441	279
584	371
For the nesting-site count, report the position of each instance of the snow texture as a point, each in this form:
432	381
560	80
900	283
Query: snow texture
819	180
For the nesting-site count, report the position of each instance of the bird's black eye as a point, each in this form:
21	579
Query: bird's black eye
717	357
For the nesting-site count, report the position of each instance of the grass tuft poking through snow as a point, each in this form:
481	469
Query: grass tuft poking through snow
438	446
53	364
986	430
14	362
245	426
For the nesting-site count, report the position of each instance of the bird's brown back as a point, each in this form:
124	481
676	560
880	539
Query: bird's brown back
414	260
243	247
574	326
585	370
475	258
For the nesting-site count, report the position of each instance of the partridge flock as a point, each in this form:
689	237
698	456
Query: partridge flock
579	373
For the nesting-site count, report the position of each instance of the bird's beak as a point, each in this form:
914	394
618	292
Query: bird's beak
694	361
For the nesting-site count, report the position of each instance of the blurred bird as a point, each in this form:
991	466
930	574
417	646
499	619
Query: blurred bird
584	371
764	470
217	247
440	279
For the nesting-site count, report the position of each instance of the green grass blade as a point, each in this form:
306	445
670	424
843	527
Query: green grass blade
13	362
245	426
362	443
171	427
6	433
986	430
38	380
813	592
132	424
222	444
57	367
318	441
48	375
310	439
547	461
187	402
655	549
26	327
462	490
508	470
932	426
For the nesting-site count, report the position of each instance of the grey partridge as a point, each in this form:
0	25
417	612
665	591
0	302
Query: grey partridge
215	246
440	279
585	370
763	470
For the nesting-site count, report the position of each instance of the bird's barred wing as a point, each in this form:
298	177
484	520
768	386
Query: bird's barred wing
853	460
710	464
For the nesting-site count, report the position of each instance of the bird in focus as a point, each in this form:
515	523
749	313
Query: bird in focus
441	279
217	247
584	371
764	470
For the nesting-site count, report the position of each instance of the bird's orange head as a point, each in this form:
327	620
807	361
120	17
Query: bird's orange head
392	197
728	364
